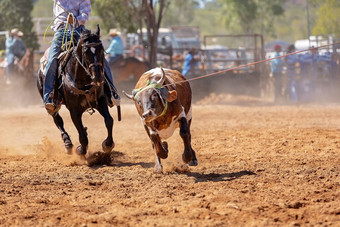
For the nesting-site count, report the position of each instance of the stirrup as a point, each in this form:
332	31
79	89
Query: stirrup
115	99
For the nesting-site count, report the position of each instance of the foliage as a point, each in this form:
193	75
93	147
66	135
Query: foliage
17	14
132	14
43	8
251	16
180	12
115	14
328	17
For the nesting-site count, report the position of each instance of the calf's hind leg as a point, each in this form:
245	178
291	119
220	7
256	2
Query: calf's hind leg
189	155
64	135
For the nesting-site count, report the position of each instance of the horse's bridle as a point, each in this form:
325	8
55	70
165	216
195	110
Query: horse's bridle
88	68
93	85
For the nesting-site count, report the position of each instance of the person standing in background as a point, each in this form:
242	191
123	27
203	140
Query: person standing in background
15	48
291	68
116	48
190	62
276	70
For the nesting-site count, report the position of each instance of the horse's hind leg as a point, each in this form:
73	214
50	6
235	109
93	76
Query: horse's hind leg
76	118
108	143
66	138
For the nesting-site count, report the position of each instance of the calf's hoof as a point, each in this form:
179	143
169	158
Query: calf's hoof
107	147
158	169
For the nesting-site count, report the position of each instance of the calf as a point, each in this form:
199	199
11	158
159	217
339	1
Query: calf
163	105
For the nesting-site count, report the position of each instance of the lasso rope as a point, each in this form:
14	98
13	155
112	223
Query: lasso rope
250	64
64	40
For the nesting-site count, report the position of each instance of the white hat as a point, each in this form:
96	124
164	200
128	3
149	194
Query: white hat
114	31
16	31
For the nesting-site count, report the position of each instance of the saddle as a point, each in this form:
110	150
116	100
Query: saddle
62	59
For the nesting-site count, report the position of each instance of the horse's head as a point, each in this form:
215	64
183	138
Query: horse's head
90	53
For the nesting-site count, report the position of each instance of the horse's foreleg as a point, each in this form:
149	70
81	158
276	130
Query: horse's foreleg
64	135
76	118
108	143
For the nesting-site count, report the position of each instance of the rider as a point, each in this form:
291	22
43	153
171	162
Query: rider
81	10
116	47
15	47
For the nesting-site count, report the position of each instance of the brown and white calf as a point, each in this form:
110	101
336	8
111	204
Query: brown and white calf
163	109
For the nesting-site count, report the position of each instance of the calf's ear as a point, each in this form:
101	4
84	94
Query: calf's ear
172	96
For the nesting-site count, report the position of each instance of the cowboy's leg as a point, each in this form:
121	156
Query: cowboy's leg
52	64
10	64
115	99
108	73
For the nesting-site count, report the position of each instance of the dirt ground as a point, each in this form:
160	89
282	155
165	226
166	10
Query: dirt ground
258	165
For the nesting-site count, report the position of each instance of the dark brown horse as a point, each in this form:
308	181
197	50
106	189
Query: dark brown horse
82	88
131	67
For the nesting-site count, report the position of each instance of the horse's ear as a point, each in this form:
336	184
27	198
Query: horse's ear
98	30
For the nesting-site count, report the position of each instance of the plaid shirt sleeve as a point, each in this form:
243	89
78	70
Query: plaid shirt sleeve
84	11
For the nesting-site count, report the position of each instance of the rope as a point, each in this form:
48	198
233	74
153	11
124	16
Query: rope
249	64
69	14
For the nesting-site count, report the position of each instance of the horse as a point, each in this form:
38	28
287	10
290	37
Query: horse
82	88
22	68
123	69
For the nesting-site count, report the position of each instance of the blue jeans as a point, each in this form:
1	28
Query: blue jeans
10	65
52	61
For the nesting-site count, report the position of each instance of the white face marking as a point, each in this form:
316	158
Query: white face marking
93	50
169	131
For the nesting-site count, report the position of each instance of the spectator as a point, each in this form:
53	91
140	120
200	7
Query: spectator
116	47
15	48
308	74
190	62
276	70
291	67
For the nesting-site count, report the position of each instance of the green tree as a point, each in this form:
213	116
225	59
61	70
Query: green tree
251	16
17	14
180	12
328	17
132	14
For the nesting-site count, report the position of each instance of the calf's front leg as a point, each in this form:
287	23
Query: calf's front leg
161	149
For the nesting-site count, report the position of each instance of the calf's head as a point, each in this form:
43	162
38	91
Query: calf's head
152	100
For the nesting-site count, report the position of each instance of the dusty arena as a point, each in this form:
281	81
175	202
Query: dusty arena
259	164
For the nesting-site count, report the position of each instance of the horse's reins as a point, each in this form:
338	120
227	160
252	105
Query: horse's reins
94	87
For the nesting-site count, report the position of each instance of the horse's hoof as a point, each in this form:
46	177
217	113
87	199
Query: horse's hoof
107	148
68	150
80	151
186	157
68	147
193	163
